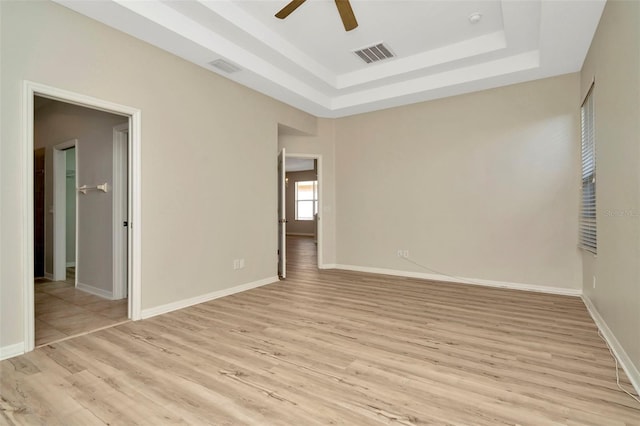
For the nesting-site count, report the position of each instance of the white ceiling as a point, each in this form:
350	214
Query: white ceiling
307	60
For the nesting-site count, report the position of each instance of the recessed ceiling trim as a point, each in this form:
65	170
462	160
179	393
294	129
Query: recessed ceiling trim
261	33
559	32
165	16
465	49
513	64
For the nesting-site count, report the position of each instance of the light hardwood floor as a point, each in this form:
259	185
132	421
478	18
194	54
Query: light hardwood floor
331	347
62	311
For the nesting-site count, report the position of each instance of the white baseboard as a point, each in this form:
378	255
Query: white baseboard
623	358
48	276
462	280
11	350
180	304
328	266
95	291
69	264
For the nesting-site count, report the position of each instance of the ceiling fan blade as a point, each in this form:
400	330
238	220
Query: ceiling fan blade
346	14
288	9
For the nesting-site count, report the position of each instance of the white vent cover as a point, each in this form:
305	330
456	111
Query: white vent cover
225	66
374	53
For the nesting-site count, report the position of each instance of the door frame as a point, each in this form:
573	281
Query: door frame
318	158
29	90
282	214
60	210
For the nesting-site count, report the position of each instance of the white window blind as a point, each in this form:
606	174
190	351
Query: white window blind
588	234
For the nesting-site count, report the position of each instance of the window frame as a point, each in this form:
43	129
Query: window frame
313	199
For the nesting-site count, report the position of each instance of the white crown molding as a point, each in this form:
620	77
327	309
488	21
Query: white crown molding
500	67
238	17
183	26
454	52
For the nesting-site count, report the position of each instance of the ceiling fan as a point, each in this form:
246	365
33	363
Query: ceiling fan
344	8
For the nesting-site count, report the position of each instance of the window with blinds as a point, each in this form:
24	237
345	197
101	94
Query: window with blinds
588	234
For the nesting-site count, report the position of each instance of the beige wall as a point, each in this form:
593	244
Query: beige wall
614	61
298	226
58	122
481	186
205	140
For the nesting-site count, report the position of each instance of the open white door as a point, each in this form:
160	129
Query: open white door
282	217
120	224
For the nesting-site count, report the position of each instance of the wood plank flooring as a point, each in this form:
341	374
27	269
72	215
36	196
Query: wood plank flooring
331	347
61	310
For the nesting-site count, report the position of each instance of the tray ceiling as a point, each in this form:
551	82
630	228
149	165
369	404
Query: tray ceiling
307	60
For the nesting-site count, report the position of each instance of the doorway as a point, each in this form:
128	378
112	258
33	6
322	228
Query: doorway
81	296
301	205
70	216
93	189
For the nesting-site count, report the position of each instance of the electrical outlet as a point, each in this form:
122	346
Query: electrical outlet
236	263
594	281
404	254
241	263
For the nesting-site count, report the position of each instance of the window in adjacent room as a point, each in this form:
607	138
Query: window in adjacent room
588	234
306	199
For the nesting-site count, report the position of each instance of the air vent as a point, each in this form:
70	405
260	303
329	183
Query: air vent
374	53
225	66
